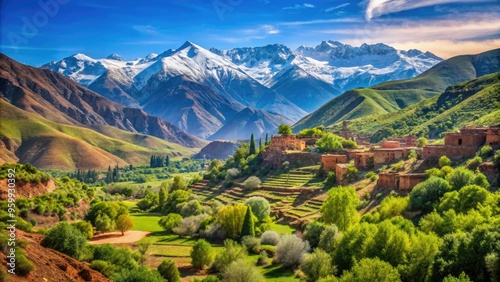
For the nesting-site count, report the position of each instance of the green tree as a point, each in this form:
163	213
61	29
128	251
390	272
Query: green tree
178	184
202	254
426	194
260	207
329	143
124	222
373	270
232	251
313	232
65	238
290	251
422	142
460	177
317	265
252	145
267	140
103	223
163	194
444	161
248	227
329	238
149	201
260	144
351	173
109	176
169	271
85	227
496	158
231	219
340	207
175	201
284	129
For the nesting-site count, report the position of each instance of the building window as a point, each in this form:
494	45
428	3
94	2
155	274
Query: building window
459	141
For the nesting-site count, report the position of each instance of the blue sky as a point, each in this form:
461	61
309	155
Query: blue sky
35	32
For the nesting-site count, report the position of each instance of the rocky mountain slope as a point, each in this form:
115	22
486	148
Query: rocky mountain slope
395	95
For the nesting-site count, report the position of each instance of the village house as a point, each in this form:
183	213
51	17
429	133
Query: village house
391	151
404	182
287	142
465	142
330	161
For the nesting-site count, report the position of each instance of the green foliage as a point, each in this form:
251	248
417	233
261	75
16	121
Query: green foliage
469	197
496	158
474	163
340	208
269	238
351	173
284	129
85	228
169	271
202	254
24	173
242	271
232	251
422	141
260	207
23	265
317	265
231	219
252	145
124	223
248	227
485	151
329	143
462	278
251	243
178	184
65	238
170	221
290	251
444	161
460	177
175	201
371	269
426	194
103	223
149	201
330	179
309	132
140	274
392	206
192	208
313	232
329	238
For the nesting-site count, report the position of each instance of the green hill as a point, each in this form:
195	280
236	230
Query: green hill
395	95
475	102
29	138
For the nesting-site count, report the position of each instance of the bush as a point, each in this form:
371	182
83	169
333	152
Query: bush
474	163
202	254
232	173
260	207
65	238
232	251
170	221
330	179
317	265
251	243
189	226
23	265
426	194
460	177
269	238
191	208
253	182
485	151
263	258
496	158
371	269
313	232
140	274
371	175
351	173
290	251
329	238
422	141
242	271
284	129
104	267
85	227
444	161
329	143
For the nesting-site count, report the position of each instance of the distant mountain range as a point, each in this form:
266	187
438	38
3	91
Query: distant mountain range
424	105
53	122
202	91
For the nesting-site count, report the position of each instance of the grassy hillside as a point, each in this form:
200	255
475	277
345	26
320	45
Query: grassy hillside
473	102
395	95
46	144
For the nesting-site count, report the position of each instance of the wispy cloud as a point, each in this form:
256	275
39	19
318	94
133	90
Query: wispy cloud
150	42
450	48
337	7
30	48
339	20
299	6
146	29
378	8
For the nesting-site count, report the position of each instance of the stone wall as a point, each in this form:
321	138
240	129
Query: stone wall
388	180
493	136
410	180
275	159
452	152
363	160
340	170
385	156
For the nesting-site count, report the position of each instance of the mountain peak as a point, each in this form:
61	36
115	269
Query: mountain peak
187	44
81	56
115	57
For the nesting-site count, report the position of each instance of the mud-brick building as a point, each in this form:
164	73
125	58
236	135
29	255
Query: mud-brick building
364	160
405	141
391	151
340	171
465	142
330	161
404	182
287	142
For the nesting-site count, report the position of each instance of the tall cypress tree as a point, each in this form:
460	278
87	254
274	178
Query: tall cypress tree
167	161
248	227
267	142
252	145
260	143
109	176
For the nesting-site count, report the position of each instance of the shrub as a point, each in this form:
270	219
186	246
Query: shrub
474	163
329	143
232	173
263	258
209	278
253	182
23	265
317	265
202	254
485	151
460	177
251	243
496	158
140	274
85	227
170	221
65	238
269	238
103	223
371	175
242	271
330	179
191	208
290	251
351	173
348	144
248	227
313	232
422	141
189	226
104	267
371	269
260	207
284	129
329	238
232	251
231	219
444	161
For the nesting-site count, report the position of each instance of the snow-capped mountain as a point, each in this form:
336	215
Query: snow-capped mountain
201	91
310	76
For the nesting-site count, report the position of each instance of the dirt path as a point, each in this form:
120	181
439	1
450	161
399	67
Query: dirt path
117	238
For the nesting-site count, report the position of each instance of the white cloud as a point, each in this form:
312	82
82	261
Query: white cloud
298	6
147	29
378	8
269	29
337	7
450	48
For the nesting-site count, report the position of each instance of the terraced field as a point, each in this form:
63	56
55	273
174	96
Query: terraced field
300	177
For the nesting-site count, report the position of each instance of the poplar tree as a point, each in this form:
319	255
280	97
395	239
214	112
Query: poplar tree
248	227
252	145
